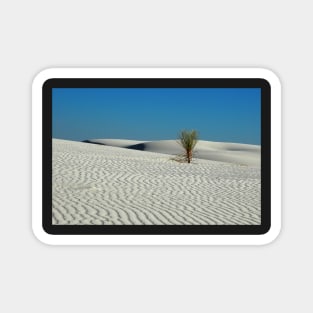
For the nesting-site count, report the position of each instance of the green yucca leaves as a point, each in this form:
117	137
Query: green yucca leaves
188	140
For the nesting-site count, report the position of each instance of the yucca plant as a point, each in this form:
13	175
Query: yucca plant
188	140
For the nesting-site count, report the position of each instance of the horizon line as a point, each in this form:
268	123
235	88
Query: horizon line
84	140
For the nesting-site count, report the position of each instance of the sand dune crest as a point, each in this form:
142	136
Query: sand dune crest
237	153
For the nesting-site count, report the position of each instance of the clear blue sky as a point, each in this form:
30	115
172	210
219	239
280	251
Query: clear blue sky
218	114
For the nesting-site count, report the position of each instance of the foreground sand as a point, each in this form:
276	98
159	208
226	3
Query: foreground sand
97	184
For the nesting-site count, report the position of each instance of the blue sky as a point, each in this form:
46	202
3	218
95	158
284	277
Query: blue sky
218	114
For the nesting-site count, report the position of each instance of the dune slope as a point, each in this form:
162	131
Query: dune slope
236	153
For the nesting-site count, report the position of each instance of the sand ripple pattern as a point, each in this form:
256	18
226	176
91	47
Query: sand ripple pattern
103	185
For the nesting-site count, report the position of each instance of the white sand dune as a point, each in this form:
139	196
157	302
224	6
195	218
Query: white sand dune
237	153
98	184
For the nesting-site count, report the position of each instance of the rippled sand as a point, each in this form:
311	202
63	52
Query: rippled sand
96	184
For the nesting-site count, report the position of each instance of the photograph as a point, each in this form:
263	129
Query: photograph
156	156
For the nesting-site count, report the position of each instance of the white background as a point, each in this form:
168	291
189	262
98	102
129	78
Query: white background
38	34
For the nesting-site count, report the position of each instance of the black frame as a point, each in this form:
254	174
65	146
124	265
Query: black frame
263	228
